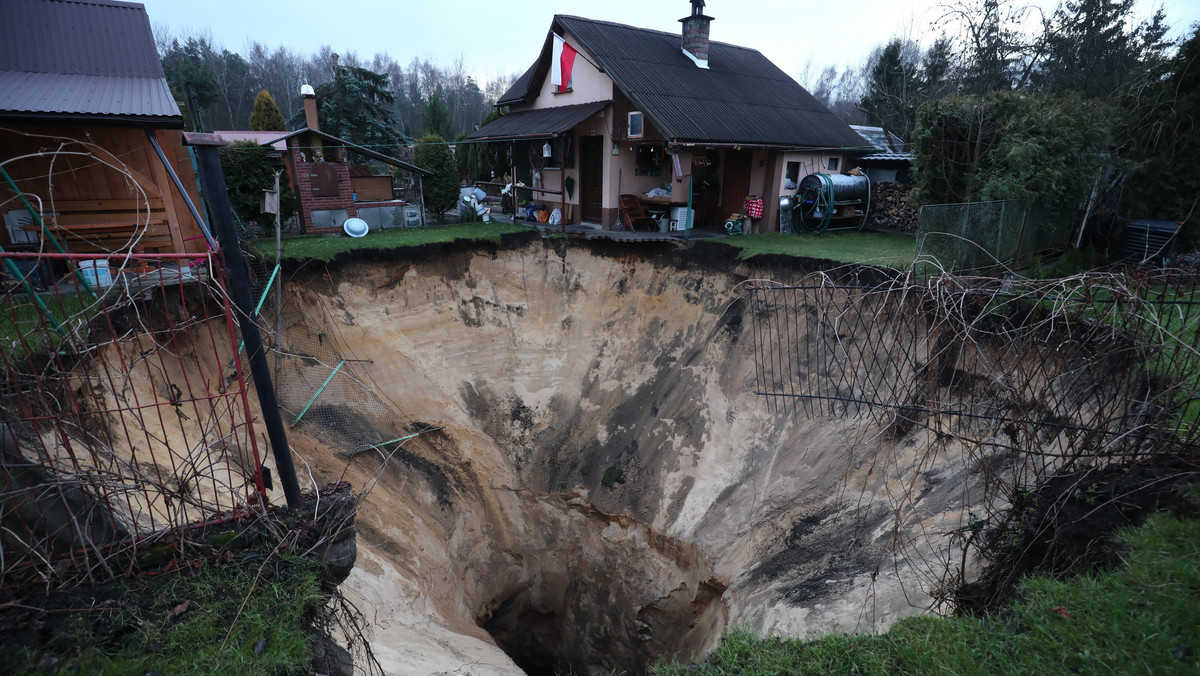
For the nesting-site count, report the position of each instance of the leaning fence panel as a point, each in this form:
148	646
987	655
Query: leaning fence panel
1097	366
124	412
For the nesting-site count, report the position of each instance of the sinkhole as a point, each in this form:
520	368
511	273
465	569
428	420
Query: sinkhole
587	592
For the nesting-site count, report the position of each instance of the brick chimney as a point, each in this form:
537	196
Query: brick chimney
310	107
695	34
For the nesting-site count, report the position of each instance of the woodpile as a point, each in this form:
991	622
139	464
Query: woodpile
892	207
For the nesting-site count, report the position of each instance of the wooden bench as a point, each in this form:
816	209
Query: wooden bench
98	226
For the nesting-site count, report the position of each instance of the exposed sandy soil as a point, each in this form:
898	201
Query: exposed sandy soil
547	369
596	485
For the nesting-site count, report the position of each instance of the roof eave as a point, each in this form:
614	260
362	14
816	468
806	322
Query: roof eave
98	119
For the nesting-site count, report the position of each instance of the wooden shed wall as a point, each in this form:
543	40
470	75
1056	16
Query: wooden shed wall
68	165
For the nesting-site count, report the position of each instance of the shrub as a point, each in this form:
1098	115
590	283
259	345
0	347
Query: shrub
249	170
441	189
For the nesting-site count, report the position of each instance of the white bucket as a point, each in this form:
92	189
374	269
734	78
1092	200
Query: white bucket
96	272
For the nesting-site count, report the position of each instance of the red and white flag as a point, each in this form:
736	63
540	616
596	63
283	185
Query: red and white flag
561	64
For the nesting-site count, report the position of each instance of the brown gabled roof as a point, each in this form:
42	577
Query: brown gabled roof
366	152
93	59
740	98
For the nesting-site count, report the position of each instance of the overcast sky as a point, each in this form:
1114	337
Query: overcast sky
496	38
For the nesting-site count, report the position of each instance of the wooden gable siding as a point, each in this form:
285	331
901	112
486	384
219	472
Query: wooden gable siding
94	206
621	107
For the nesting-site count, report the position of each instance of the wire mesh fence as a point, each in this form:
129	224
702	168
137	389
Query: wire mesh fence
1009	385
124	412
986	235
322	388
1067	371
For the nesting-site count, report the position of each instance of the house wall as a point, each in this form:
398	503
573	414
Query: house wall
622	106
624	174
552	179
809	163
587	84
98	192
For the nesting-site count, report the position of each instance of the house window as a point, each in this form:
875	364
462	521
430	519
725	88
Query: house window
636	124
649	160
792	175
833	163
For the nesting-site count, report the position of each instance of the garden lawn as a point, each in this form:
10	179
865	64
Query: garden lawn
895	250
325	247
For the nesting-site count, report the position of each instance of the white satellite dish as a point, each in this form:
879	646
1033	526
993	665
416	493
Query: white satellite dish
356	227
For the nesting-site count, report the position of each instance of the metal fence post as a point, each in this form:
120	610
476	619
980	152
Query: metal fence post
213	177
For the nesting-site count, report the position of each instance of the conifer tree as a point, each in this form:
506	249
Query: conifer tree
266	115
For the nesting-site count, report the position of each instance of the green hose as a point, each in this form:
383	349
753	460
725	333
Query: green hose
823	203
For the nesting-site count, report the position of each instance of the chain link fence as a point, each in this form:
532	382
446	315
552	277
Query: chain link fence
982	236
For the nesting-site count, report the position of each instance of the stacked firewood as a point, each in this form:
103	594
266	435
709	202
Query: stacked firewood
892	207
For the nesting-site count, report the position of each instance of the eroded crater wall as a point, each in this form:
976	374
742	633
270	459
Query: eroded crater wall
587	405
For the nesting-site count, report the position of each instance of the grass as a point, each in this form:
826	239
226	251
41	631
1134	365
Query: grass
890	249
24	329
1165	317
325	247
1140	619
144	632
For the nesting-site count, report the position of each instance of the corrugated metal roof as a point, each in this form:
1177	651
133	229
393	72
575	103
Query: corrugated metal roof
258	137
84	57
740	98
879	140
543	122
85	94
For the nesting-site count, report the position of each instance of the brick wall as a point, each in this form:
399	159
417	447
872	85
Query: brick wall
309	203
695	36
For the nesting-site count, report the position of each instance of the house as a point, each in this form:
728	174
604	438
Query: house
90	134
331	190
890	160
637	109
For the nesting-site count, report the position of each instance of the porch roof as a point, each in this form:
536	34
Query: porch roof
540	123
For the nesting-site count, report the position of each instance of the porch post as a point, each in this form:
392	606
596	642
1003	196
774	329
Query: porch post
421	190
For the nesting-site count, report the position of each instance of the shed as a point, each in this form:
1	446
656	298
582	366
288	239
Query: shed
90	134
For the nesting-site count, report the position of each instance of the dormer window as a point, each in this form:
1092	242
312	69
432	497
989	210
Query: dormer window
636	126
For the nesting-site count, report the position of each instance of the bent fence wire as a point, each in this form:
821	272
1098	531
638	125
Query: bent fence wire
124	413
323	389
1066	371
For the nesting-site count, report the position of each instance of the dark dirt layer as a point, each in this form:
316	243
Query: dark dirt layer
823	550
1064	527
